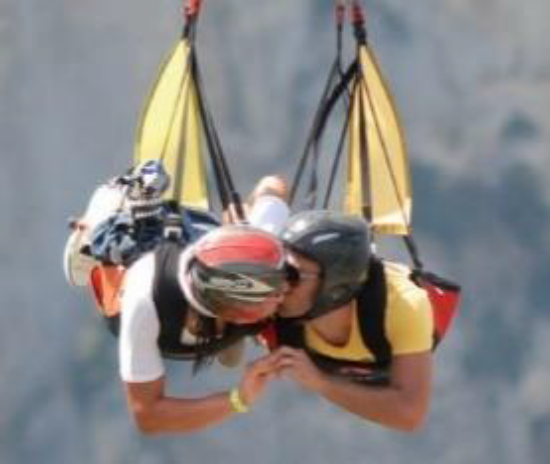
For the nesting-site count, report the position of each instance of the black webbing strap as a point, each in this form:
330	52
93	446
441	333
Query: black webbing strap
170	302
191	11
289	332
418	277
332	94
337	92
228	195
371	310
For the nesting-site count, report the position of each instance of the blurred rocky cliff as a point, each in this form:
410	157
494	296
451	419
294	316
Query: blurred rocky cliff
472	80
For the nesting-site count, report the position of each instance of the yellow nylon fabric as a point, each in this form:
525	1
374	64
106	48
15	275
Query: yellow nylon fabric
388	199
354	201
171	130
408	321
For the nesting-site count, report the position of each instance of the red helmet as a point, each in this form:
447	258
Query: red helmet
236	265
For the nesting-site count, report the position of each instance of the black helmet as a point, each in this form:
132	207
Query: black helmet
236	264
339	243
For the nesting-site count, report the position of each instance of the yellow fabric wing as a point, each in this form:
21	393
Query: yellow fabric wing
171	130
378	170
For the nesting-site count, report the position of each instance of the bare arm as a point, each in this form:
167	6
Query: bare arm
156	413
402	405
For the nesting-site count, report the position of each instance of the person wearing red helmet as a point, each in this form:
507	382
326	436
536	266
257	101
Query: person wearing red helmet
199	302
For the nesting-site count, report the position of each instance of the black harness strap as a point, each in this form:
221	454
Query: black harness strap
337	86
289	332
371	307
170	302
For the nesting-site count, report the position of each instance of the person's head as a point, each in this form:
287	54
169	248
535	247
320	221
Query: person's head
328	257
237	273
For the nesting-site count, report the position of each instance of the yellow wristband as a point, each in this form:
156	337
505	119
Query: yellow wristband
237	404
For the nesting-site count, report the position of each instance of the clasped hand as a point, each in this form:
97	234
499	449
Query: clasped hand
285	362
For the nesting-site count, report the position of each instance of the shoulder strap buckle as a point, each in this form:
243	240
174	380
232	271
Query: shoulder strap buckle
173	223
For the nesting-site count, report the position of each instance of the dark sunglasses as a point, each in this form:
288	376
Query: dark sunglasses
294	275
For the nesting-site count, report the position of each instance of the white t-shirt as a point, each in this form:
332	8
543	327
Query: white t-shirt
139	355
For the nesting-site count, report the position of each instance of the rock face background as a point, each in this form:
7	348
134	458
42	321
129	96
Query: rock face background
472	80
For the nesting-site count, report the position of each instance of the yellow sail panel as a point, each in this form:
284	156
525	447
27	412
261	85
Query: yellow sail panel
353	200
159	119
389	175
170	130
195	184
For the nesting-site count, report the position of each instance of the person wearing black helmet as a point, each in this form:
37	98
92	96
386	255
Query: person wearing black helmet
352	328
196	303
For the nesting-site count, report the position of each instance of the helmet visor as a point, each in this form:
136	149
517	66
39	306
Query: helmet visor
240	285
